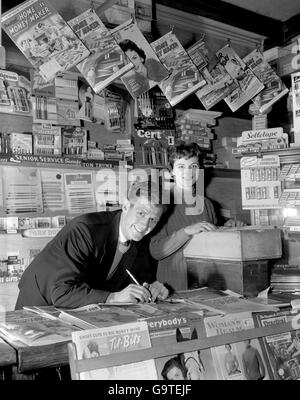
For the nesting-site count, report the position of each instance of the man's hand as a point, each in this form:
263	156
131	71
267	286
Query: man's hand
199	227
158	291
131	294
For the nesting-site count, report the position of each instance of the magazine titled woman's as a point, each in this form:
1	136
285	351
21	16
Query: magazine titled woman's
107	61
148	70
44	37
185	77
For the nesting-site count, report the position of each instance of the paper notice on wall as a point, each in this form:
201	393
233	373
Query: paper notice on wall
79	192
22	190
261	187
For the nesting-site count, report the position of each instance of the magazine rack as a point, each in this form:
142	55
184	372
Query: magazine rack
158	350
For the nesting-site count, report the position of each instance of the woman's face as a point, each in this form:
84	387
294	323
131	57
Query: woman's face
175	374
136	60
186	172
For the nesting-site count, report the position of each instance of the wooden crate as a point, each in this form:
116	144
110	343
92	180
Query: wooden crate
245	277
238	244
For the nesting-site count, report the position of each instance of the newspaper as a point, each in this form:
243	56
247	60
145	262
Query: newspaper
282	351
107	61
185	77
236	361
111	340
33	330
44	37
148	70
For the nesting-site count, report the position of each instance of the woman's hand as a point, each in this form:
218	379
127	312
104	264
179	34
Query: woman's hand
200	227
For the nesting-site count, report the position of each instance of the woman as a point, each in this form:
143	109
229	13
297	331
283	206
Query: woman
182	220
173	370
146	73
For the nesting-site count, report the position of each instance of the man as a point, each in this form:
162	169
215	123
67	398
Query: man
87	260
252	362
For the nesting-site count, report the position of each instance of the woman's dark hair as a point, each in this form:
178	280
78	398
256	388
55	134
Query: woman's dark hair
173	362
130	45
185	150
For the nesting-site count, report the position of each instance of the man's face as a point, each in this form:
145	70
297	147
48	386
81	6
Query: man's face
139	219
186	172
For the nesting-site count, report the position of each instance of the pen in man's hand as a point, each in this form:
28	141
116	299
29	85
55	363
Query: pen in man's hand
137	283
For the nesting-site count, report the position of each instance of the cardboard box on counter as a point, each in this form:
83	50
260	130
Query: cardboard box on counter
236	244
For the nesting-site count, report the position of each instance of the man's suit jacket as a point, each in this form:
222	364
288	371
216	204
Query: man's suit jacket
71	271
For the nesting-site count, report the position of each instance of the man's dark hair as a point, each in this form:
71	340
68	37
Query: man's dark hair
185	150
130	45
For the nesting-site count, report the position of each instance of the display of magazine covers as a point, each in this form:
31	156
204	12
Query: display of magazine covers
185	77
98	316
296	104
33	330
273	92
282	351
53	190
115	339
151	146
191	365
274	88
262	69
199	54
218	301
230	60
22	190
44	37
148	70
236	361
261	187
248	86
219	84
14	93
107	61
79	191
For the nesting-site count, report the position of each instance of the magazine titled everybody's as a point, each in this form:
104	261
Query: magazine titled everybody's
44	37
107	61
185	77
148	70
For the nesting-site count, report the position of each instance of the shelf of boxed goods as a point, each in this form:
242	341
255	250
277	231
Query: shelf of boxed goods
30	160
287	155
